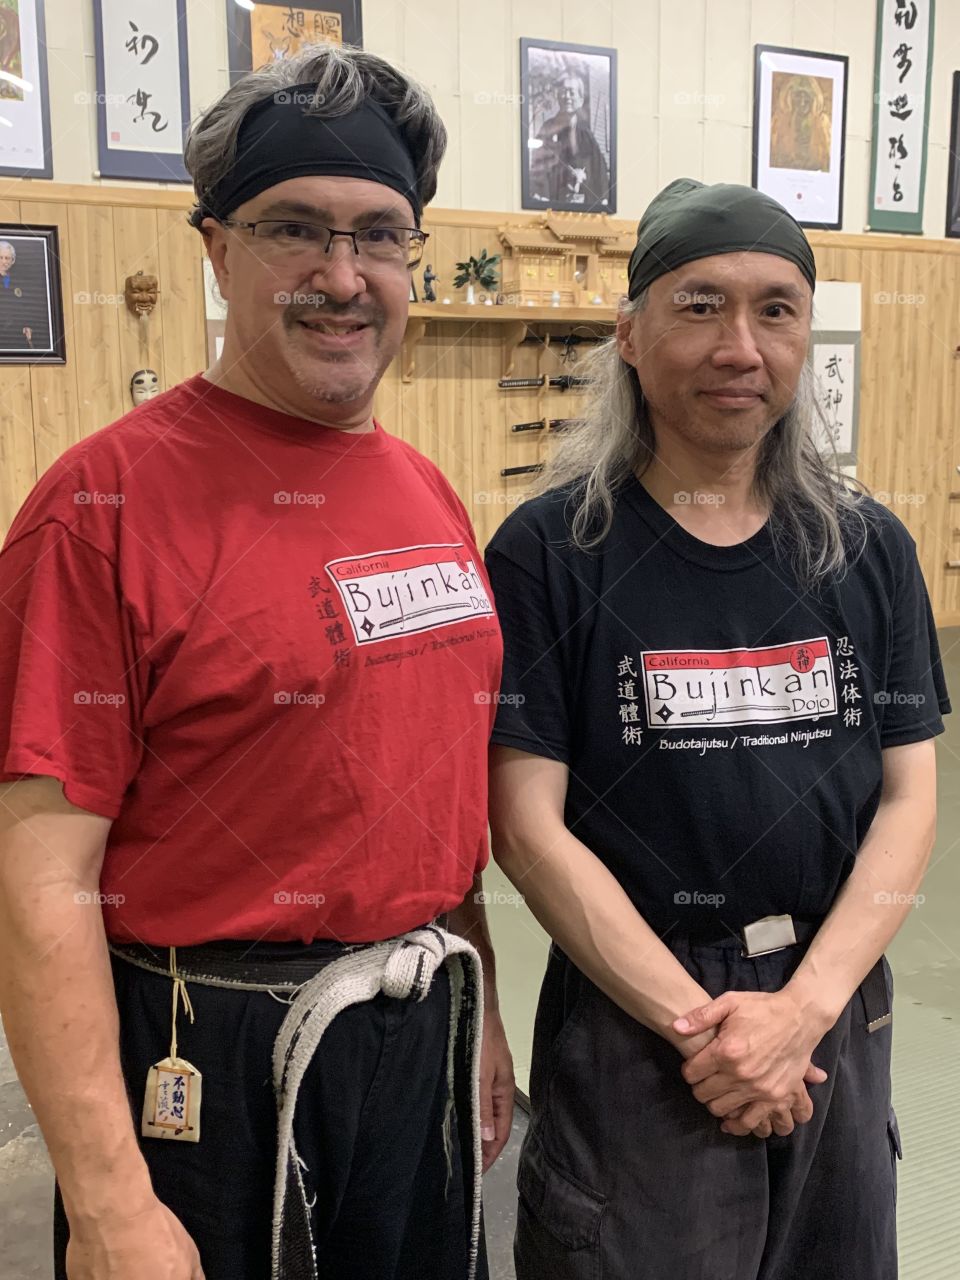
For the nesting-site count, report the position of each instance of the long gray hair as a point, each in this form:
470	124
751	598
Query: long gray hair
817	516
343	77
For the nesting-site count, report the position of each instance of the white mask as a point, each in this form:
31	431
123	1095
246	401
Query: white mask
144	385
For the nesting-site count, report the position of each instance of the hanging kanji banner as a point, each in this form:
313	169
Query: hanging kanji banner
901	108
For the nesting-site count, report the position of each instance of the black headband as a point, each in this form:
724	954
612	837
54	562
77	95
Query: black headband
689	220
282	138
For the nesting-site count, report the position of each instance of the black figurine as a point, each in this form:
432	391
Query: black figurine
428	278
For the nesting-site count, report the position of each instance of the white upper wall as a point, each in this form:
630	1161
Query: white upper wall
685	84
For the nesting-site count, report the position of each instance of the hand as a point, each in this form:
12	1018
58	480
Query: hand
28	333
757	1069
151	1244
497	1086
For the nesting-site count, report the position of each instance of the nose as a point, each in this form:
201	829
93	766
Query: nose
736	345
339	275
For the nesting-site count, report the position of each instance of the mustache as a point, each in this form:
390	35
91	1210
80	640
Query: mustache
315	307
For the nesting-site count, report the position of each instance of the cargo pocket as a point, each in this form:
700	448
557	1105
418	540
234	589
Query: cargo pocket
896	1147
558	1221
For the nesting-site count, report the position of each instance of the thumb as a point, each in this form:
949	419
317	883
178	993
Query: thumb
488	1130
814	1075
708	1015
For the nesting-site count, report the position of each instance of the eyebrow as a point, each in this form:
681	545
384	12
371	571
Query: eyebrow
389	215
781	290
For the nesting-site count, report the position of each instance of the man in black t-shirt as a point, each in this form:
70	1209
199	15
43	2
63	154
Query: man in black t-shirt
713	779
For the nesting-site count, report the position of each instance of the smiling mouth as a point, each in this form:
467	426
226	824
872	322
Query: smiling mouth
337	330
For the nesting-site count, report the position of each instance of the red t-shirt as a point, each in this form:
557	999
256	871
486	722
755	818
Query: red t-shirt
267	650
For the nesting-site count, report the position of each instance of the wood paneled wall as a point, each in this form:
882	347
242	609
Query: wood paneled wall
452	409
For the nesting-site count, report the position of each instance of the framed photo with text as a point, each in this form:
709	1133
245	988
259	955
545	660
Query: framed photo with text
272	30
799	123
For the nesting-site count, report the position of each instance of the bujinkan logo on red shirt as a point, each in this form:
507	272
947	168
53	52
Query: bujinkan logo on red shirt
409	589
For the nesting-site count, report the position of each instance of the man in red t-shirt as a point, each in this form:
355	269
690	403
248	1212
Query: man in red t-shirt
249	667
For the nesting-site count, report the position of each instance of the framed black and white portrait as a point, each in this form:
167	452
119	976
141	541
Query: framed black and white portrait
799	124
568	104
31	305
272	30
953	178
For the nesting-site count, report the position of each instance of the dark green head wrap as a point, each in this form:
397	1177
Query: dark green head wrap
689	220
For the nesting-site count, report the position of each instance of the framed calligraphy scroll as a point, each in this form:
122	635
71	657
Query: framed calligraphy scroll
24	97
272	30
835	344
953	178
901	110
799	127
143	97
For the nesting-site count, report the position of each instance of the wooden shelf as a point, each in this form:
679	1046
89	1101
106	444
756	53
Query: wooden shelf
516	319
482	314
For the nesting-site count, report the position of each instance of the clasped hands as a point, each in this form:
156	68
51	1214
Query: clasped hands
755	1071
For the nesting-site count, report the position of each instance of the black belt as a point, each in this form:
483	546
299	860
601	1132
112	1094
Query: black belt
279	964
730	933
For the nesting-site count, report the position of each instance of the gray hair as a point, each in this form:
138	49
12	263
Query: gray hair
817	514
5	244
343	77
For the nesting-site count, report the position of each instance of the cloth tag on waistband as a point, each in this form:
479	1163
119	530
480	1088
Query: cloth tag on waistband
171	1104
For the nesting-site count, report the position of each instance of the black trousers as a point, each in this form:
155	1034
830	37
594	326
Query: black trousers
625	1176
368	1127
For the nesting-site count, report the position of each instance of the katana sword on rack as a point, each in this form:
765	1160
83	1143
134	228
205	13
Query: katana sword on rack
563	382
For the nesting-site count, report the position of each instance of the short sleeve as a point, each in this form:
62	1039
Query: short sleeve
70	701
915	696
533	713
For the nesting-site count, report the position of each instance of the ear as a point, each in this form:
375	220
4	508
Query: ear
626	344
215	239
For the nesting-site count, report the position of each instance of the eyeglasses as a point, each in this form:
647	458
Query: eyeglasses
380	248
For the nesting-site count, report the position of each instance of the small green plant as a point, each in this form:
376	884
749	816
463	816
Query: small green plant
481	271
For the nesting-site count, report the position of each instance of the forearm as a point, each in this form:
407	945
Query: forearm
869	909
469	920
585	909
60	1016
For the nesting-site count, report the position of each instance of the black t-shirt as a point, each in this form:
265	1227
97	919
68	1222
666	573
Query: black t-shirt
723	727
